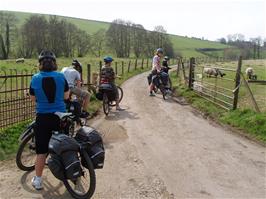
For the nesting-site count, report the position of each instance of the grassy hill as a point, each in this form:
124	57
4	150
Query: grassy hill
185	45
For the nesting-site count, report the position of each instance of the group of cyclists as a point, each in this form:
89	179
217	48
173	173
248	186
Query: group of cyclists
49	89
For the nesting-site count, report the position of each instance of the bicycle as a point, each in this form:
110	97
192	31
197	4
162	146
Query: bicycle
68	121
107	95
163	83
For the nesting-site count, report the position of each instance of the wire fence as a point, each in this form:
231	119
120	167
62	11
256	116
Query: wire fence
224	83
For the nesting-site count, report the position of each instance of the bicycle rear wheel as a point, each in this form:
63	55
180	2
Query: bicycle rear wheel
106	108
84	186
120	96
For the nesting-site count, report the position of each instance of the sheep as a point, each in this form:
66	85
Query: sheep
213	72
20	60
251	74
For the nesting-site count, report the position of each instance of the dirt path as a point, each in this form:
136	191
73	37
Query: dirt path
160	149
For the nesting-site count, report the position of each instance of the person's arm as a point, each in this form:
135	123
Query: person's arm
78	80
66	91
158	65
32	94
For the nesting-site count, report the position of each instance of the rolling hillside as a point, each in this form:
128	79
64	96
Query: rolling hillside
187	46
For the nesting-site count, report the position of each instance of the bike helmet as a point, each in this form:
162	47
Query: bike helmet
166	58
77	65
159	50
47	54
108	59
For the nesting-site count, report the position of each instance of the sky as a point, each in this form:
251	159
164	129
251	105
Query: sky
211	19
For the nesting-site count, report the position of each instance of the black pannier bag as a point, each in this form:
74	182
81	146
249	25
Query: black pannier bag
109	90
164	78
64	160
96	150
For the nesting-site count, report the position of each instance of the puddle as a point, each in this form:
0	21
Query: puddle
112	132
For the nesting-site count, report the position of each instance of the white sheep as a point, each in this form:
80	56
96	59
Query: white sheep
20	60
251	73
213	72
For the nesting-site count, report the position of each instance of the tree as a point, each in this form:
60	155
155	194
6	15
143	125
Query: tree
222	40
119	37
33	37
7	26
97	43
138	39
82	42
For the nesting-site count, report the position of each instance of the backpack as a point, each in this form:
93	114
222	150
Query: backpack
64	161
96	149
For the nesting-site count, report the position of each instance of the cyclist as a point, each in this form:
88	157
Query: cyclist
108	76
165	65
48	89
156	68
74	79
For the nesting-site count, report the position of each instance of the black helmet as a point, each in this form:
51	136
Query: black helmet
47	54
75	62
77	65
166	58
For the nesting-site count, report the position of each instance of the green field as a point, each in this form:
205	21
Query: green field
185	45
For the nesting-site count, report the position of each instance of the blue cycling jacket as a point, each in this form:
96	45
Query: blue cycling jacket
48	89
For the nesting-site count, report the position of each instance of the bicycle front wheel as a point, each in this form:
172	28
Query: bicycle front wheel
25	158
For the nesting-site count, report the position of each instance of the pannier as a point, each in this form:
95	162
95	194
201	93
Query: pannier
108	89
96	149
164	78
64	160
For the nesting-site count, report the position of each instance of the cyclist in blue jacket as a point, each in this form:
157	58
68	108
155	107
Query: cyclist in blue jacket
48	89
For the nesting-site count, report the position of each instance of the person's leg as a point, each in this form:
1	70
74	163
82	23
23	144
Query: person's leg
84	96
40	163
43	132
86	100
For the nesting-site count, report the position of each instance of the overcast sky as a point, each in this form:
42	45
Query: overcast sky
210	19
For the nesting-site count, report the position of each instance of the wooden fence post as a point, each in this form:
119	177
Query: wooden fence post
191	72
178	66
116	68
128	68
100	69
122	67
237	84
136	63
88	74
142	62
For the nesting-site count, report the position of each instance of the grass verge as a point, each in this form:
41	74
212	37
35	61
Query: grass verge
251	123
9	136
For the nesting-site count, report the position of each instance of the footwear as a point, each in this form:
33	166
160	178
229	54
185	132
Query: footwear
119	109
37	182
152	94
84	114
